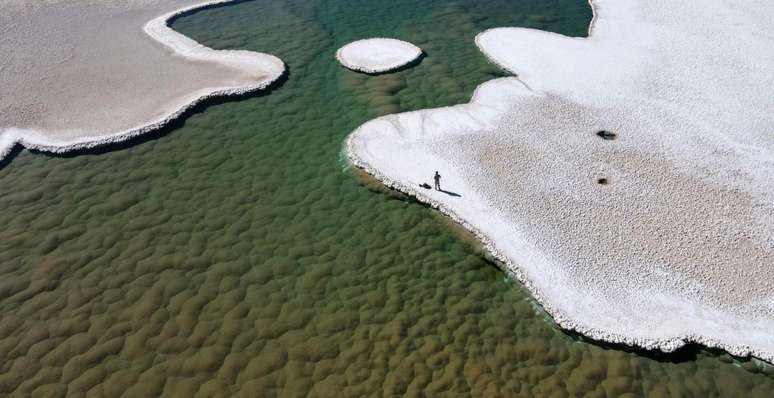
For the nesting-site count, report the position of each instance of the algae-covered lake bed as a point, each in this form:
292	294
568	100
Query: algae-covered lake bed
236	253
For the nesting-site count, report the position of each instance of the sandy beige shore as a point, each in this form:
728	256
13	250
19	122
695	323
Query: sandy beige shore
656	235
82	73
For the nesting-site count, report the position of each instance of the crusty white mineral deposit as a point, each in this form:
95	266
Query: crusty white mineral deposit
76	74
377	55
626	178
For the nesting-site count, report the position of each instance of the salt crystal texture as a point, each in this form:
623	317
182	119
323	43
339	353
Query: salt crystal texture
377	55
656	236
105	71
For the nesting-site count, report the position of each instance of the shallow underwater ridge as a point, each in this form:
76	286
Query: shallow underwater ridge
232	256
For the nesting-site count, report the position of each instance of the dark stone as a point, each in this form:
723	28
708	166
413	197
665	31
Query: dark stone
606	135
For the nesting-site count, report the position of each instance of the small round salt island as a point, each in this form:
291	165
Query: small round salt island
378	55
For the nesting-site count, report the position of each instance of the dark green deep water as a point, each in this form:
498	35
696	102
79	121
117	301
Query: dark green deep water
236	255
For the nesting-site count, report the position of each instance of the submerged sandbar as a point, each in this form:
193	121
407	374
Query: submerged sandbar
79	74
658	234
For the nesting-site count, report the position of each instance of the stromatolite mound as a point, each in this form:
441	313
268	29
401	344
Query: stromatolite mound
377	55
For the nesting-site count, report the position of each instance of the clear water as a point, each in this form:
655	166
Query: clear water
236	256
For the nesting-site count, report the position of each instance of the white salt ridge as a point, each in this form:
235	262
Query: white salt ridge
377	55
679	246
251	72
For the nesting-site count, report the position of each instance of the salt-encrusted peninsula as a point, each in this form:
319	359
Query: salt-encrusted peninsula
77	74
626	178
377	55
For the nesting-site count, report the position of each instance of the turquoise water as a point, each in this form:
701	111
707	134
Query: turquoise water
236	255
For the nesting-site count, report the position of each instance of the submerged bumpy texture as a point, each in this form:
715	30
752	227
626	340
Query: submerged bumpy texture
234	257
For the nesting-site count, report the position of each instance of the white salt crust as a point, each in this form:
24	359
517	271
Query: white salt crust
679	246
259	70
377	55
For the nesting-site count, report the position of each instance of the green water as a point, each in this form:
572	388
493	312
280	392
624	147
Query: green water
235	255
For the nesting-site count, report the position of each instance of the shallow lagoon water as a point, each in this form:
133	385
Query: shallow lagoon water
237	256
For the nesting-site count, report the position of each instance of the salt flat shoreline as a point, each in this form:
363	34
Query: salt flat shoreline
687	296
218	73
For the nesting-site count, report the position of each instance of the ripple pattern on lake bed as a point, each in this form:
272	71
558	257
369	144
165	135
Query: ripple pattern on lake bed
232	256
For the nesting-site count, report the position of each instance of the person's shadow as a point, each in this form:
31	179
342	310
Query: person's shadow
450	193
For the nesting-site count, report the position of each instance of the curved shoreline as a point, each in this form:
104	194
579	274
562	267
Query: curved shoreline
158	29
504	68
483	112
561	319
564	321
